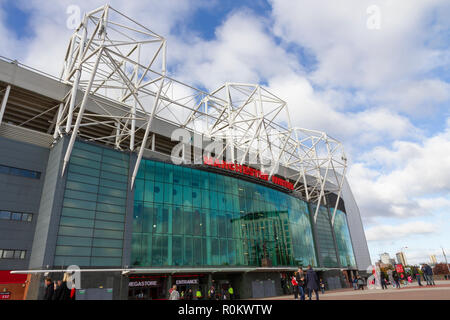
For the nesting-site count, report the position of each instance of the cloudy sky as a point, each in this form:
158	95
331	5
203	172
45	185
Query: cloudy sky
373	74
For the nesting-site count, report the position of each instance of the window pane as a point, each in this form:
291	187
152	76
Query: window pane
76	222
4	169
74	241
110	234
106	252
78	232
16	216
108	225
107	243
106	262
8	254
5	215
72	251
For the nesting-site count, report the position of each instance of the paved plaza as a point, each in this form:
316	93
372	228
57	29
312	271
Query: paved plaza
411	292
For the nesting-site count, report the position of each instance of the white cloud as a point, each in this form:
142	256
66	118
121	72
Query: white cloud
405	179
339	37
243	51
312	109
392	232
45	49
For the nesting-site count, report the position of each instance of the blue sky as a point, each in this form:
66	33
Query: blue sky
384	92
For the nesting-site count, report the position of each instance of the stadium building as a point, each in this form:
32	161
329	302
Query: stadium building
143	181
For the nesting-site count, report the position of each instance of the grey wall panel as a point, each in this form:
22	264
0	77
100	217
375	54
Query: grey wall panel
18	76
356	229
49	210
22	195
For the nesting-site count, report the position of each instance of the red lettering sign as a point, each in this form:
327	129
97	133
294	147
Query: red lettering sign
5	295
247	171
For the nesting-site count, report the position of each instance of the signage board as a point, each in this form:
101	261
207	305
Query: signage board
5	295
247	171
399	268
143	283
186	281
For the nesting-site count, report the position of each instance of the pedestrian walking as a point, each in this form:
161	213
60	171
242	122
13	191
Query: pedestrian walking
312	282
65	291
58	290
174	294
355	283
322	286
295	285
231	292
301	283
418	276
223	294
383	281
189	294
396	280
49	289
429	273
198	294
211	293
360	283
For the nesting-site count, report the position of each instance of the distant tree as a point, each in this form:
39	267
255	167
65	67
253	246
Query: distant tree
440	268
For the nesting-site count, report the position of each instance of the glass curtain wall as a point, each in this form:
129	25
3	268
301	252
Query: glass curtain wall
92	219
189	217
327	250
344	242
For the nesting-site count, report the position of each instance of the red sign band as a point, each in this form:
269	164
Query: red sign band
247	171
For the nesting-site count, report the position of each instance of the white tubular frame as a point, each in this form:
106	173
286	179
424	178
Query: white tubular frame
112	57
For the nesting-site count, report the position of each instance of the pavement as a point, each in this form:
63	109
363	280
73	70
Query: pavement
410	292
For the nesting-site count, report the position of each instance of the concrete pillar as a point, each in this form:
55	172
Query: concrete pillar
168	285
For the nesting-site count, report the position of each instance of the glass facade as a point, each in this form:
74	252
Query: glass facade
92	219
189	217
327	250
343	240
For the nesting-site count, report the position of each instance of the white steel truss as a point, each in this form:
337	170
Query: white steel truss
119	66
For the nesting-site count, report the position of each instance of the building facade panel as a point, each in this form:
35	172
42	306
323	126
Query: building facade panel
91	227
22	171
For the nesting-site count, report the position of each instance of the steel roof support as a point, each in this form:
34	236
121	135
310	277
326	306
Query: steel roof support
4	101
147	131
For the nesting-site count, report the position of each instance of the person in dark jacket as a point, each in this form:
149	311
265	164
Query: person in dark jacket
49	289
65	291
383	281
58	290
312	283
429	273
189	294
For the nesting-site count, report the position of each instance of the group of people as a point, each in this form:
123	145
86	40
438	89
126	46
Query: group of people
213	294
58	290
305	283
396	279
358	283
